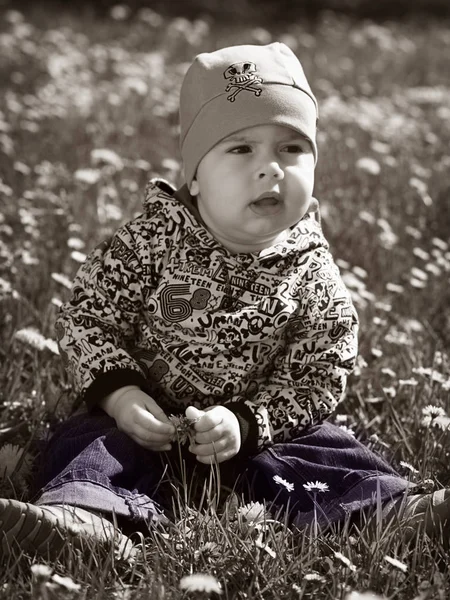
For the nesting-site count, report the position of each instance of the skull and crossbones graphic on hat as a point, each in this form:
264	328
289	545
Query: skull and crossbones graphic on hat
242	76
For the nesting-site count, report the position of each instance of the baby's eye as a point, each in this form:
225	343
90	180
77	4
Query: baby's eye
295	148
242	149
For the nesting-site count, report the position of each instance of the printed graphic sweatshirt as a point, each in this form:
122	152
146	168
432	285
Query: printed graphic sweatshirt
163	305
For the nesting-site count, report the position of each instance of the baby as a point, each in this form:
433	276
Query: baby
221	302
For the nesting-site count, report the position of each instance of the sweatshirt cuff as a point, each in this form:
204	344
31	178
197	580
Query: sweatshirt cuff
108	382
248	426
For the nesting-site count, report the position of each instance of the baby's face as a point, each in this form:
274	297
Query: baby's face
254	185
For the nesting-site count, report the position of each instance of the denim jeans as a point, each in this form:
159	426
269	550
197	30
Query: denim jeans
90	463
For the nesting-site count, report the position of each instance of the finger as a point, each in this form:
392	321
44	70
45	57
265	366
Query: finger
208	421
150	422
210	449
157	411
213	435
216	458
150	445
149	436
193	413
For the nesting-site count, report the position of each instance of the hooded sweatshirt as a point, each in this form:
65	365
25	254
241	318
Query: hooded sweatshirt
271	335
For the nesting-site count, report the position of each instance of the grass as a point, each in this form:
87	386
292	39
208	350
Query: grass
73	85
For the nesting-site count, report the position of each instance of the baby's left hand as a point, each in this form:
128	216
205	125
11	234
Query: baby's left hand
217	434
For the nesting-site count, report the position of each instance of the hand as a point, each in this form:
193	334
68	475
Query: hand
217	434
140	417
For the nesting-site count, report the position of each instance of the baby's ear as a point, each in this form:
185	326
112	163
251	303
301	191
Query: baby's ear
193	188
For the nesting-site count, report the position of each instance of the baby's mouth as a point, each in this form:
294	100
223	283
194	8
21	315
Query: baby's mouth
267	204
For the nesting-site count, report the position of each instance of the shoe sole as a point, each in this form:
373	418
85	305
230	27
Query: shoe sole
28	527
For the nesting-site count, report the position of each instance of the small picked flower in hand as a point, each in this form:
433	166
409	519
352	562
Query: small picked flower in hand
184	428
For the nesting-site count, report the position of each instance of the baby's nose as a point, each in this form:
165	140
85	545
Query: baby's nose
270	170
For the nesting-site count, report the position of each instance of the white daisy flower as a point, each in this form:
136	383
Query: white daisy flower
41	571
407	465
313	577
344	560
11	456
368	165
443	422
260	544
200	582
364	596
87	176
316	486
32	337
396	563
253	512
433	411
286	484
67	583
62	280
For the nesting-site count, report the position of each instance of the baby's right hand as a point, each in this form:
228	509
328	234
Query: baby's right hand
140	417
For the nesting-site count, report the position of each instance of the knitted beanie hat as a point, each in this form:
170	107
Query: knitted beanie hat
238	87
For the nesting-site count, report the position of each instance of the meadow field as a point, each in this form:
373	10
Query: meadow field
88	113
